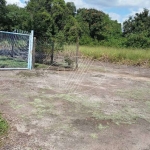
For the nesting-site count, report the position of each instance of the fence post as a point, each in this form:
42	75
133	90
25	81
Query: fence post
12	44
12	51
52	55
33	53
77	52
31	40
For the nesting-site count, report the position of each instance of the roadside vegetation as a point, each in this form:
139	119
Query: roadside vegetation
138	57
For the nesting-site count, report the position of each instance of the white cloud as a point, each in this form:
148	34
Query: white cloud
98	4
131	5
132	13
79	3
115	16
18	2
119	3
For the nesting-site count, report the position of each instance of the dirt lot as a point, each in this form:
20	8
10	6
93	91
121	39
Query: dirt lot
99	107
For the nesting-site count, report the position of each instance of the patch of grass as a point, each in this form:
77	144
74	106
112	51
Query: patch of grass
15	106
26	73
3	126
41	66
7	62
41	107
83	100
135	94
124	116
117	55
94	136
148	104
101	127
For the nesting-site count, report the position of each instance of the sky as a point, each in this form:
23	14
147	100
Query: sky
119	10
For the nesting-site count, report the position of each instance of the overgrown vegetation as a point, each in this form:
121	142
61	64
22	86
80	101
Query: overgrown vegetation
137	57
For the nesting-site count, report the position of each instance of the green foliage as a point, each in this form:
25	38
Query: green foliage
96	26
136	30
17	18
3	12
94	20
48	17
137	41
72	30
114	42
3	126
62	22
86	40
71	7
137	24
138	57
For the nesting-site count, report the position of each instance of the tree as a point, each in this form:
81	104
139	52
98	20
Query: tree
17	18
71	8
3	12
137	24
94	19
97	26
48	17
72	30
136	30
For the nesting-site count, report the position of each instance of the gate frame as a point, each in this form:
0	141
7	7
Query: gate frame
30	49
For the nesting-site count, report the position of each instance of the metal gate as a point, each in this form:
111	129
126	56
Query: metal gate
16	50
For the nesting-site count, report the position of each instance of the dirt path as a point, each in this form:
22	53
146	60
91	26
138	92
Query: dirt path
99	107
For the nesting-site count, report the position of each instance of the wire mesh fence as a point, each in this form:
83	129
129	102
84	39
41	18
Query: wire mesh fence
14	50
54	53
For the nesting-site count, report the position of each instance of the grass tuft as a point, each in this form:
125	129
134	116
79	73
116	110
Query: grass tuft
3	126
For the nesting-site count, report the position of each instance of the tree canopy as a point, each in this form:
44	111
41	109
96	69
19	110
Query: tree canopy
58	20
3	12
137	30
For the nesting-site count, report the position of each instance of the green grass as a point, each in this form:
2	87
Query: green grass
3	126
117	55
41	66
7	62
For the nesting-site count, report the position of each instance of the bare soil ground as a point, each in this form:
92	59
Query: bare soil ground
100	106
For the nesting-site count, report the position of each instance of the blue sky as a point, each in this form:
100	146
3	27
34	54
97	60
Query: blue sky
118	10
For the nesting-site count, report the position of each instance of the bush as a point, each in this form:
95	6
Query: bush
113	42
137	41
86	40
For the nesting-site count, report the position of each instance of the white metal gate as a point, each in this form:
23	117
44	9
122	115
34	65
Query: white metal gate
16	50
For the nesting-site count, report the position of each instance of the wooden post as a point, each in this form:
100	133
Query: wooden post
12	44
33	53
52	54
77	52
12	52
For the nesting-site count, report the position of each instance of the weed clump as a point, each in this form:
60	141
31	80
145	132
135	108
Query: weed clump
3	126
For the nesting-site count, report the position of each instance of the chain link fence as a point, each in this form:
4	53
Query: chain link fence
14	50
56	54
